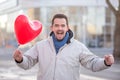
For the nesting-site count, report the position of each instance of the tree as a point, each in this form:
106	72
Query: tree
116	12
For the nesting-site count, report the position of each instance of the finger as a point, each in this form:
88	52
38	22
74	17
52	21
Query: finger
108	56
109	59
17	53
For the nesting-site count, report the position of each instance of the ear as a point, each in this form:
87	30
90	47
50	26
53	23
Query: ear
51	28
68	28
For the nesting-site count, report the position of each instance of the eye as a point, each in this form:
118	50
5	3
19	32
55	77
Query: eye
63	25
56	25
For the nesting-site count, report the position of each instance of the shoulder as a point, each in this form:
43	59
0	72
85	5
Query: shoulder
42	42
76	42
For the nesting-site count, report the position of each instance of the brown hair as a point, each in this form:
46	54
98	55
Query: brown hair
60	16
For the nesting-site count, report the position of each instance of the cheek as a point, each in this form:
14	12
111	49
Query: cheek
66	29
52	29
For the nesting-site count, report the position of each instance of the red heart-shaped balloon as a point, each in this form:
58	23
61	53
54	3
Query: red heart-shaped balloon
25	29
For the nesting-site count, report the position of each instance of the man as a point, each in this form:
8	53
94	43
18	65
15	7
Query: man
59	56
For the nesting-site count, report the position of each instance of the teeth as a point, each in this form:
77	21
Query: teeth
60	32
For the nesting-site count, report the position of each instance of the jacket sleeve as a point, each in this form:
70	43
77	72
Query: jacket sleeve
91	61
30	58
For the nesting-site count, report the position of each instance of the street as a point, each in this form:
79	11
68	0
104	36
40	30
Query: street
10	71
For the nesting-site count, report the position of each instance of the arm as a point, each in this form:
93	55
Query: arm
27	60
93	62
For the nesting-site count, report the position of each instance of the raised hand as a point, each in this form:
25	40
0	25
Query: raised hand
109	59
18	56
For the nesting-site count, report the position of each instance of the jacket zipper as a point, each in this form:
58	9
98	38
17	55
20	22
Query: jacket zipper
56	60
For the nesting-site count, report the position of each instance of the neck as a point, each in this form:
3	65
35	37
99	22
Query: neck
59	43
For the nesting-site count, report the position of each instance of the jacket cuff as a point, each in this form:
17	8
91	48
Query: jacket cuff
106	63
19	61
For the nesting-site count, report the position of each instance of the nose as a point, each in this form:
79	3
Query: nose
60	27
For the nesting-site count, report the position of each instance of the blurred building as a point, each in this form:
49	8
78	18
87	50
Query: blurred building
91	20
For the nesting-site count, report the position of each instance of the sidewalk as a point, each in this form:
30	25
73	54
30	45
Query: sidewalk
10	71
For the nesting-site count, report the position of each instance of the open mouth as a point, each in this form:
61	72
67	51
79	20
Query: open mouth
60	32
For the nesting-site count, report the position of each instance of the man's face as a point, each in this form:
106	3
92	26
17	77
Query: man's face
59	28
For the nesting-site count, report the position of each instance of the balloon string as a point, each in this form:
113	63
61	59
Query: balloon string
18	46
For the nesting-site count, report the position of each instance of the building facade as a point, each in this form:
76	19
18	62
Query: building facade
91	21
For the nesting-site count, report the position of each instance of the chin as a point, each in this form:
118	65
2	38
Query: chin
59	39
